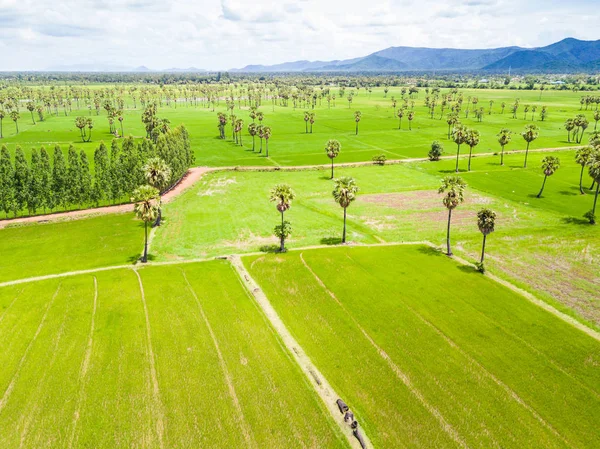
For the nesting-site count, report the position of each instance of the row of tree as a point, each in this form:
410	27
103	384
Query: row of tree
47	181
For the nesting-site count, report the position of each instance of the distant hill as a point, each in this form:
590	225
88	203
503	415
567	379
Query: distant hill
120	69
567	55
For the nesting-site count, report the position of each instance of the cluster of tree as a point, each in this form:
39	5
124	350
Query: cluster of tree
576	127
47	182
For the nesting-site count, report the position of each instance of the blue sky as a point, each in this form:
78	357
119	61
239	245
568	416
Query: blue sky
221	34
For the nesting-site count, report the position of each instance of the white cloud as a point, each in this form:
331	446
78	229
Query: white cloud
232	33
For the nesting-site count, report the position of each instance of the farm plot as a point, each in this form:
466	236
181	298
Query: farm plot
175	356
432	354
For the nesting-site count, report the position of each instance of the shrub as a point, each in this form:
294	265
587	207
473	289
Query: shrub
437	149
379	159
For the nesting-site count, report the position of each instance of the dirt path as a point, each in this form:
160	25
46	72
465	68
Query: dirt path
314	376
195	173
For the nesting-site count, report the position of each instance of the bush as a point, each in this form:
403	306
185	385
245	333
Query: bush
437	149
379	159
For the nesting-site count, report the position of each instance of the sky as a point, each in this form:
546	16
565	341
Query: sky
224	34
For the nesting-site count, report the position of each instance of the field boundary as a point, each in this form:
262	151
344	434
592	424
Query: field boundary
319	383
196	173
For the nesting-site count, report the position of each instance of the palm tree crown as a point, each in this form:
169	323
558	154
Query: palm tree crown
454	188
146	203
282	195
486	221
157	173
345	191
332	148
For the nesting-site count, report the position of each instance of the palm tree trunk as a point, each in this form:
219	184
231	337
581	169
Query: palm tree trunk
331	168
449	250
502	156
253	142
526	154
483	248
457	153
344	233
470	152
267	146
581	180
282	237
145	255
592	219
543	184
354	134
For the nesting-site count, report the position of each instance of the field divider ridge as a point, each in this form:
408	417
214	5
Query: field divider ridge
320	384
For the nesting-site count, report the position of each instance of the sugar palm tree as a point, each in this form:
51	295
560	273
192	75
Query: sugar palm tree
452	120
569	126
267	135
504	138
549	166
411	117
530	133
459	135
486	222
472	139
400	114
31	108
582	156
146	209
332	148
306	118
454	188
158	175
344	193
15	116
357	117
594	171
282	195
253	130
260	130
311	120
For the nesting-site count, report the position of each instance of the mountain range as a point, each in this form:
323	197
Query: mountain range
118	69
567	55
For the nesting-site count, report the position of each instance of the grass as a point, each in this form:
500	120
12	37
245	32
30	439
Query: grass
52	397
290	145
500	371
50	248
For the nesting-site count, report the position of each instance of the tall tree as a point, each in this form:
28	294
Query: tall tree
400	114
47	199
332	148
85	184
530	133
31	108
594	171
472	139
34	199
2	115
549	166
282	195
74	177
504	138
15	116
306	119
344	193
267	136
486	222
453	187
357	117
59	179
582	156
252	130
459	135
146	209
158	175
452	120
21	181
596	118
7	188
569	126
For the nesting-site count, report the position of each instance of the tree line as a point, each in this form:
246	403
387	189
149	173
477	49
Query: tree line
51	180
